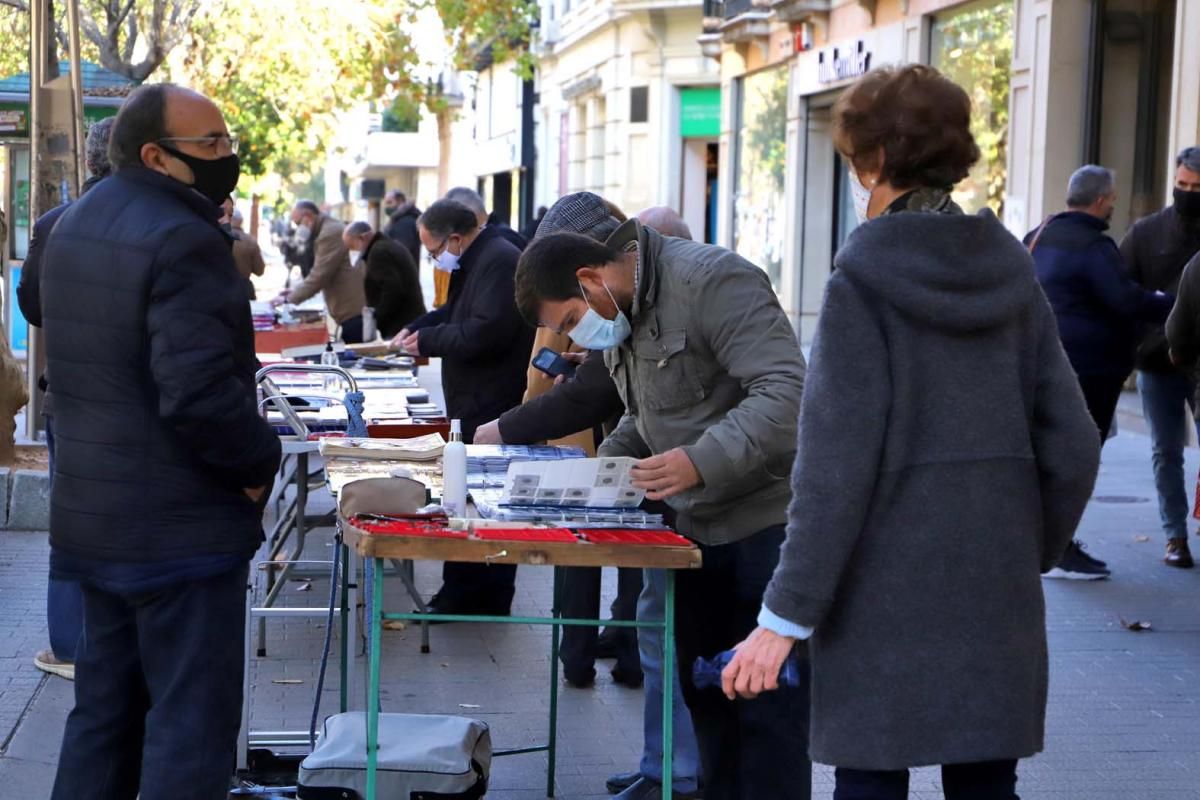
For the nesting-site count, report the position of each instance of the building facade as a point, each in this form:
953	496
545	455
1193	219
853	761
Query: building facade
1054	84
629	107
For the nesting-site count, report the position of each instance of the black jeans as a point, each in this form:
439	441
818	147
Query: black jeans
749	748
158	694
581	600
986	780
1101	393
477	588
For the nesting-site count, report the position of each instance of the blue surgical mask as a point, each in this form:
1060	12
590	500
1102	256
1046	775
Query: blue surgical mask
594	332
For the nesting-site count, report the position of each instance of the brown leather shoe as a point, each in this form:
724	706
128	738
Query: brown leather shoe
1178	554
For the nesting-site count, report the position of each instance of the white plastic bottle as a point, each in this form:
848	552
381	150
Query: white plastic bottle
454	473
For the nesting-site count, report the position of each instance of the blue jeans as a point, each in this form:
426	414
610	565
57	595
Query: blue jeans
1166	397
64	599
686	767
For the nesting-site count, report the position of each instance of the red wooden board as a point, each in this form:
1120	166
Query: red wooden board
658	538
526	535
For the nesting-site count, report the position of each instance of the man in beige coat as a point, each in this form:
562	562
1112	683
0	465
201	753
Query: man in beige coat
331	272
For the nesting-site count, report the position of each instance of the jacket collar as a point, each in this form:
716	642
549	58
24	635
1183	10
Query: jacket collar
371	244
198	203
475	251
632	232
1083	218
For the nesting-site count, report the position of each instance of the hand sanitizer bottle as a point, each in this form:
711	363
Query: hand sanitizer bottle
454	473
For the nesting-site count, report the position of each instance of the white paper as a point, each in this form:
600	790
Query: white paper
575	483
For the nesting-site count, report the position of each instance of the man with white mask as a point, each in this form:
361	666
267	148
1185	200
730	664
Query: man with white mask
484	346
711	373
331	273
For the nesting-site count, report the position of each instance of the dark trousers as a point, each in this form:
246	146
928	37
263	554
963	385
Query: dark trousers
986	780
352	330
158	694
482	588
64	598
749	748
1101	392
581	600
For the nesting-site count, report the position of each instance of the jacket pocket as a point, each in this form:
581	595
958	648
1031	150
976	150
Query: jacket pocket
666	373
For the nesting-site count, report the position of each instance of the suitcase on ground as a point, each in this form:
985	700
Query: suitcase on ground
421	757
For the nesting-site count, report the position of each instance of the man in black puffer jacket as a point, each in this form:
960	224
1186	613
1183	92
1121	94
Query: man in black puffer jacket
162	457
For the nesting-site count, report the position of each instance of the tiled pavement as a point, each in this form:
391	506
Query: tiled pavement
1124	715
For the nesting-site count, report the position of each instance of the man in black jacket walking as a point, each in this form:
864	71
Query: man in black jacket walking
162	456
483	344
1098	309
1156	250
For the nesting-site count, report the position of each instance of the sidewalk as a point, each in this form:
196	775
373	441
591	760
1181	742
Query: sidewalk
1123	720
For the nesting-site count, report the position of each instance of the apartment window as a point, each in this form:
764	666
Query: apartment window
639	104
758	194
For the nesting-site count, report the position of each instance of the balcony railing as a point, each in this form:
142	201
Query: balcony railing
726	9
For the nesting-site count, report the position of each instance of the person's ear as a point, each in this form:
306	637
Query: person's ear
155	158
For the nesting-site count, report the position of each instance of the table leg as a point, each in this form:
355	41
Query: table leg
344	650
376	625
555	630
668	673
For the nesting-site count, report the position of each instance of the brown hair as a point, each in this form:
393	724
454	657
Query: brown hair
921	121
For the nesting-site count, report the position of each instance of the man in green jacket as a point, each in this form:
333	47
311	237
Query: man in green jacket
711	374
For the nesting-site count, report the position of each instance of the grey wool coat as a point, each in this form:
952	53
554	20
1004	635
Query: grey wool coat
945	457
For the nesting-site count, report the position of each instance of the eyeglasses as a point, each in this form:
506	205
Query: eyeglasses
222	145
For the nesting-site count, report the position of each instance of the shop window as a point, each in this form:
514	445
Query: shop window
973	46
759	223
845	219
639	104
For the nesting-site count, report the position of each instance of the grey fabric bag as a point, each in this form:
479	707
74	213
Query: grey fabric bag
421	757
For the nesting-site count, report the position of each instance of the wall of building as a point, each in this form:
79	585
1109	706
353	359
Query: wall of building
588	139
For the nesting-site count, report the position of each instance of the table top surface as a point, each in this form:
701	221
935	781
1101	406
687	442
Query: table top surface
526	545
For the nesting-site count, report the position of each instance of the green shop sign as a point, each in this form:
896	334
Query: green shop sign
14	118
700	112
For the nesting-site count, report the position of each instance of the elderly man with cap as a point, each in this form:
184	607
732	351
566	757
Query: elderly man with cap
64	598
711	374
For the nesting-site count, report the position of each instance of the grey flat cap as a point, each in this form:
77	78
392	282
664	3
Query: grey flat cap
582	212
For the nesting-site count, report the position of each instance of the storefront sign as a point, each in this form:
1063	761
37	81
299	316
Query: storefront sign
700	112
12	120
837	64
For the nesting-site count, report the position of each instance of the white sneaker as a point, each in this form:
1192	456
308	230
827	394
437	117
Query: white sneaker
46	662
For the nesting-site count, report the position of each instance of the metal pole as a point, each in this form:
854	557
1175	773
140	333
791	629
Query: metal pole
39	18
77	93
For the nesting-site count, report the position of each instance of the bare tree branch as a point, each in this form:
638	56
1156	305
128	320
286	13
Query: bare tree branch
19	5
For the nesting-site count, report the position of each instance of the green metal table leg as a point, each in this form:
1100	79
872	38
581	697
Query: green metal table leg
552	746
376	623
345	620
668	672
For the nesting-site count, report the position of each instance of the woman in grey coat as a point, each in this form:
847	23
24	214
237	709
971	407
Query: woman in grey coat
945	457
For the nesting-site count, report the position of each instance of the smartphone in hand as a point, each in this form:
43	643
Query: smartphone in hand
553	364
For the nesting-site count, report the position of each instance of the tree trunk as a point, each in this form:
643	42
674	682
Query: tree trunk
445	123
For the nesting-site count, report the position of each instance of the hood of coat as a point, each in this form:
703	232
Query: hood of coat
952	271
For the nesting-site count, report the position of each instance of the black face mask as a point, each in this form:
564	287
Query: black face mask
1187	204
216	178
389	210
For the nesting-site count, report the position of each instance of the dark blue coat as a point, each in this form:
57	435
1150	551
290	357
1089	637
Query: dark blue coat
149	339
1098	308
484	344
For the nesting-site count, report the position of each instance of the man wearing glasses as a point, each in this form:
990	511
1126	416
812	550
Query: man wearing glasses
162	457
